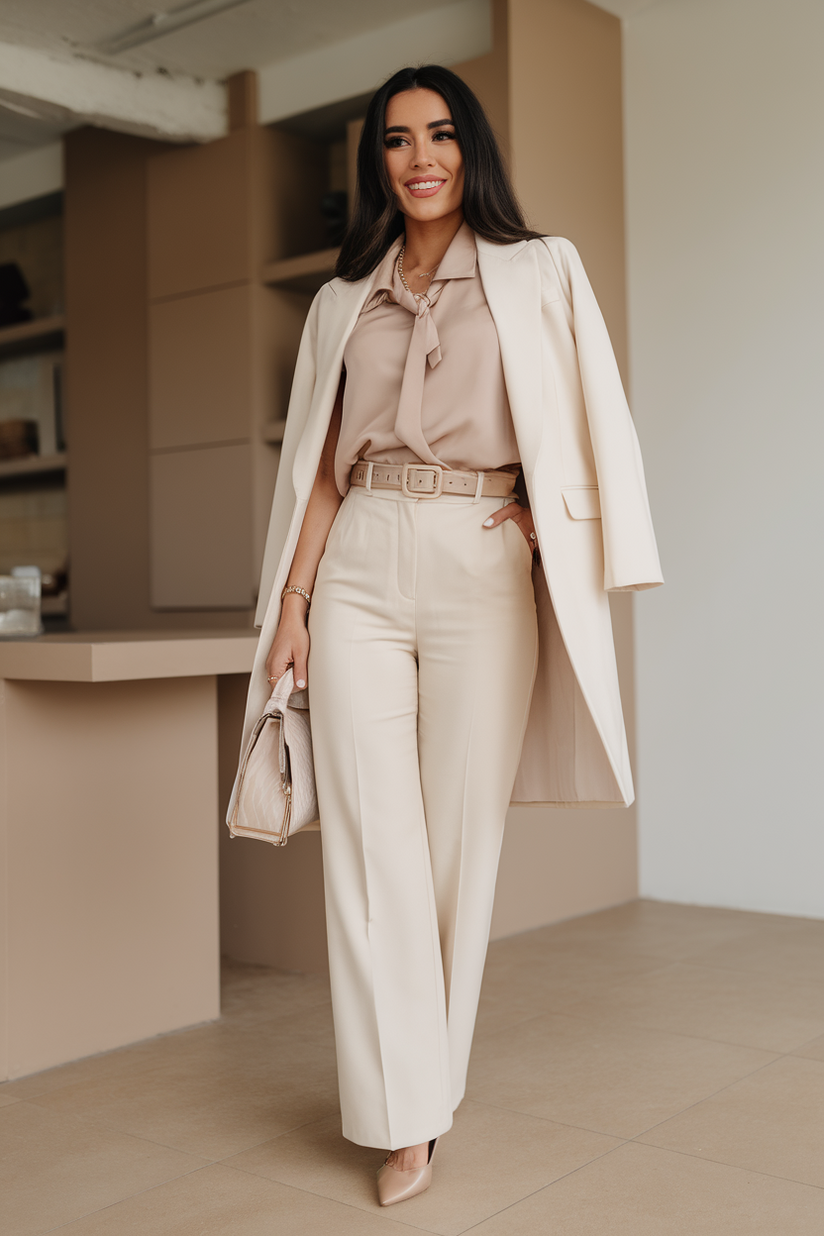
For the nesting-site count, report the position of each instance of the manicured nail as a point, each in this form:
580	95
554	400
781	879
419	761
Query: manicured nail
301	683
489	522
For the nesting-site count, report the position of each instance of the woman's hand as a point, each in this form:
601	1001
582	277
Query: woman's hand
291	643
522	517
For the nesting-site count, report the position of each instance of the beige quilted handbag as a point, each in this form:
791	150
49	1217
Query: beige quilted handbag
276	794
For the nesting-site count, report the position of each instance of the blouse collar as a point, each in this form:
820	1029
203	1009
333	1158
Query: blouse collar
459	262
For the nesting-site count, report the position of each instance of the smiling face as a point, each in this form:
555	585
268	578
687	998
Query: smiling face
422	156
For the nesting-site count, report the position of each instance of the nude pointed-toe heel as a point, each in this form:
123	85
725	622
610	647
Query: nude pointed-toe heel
395	1186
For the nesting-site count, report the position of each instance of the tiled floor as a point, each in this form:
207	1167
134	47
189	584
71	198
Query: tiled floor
654	1070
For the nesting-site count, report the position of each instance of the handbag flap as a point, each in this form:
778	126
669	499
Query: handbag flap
276	793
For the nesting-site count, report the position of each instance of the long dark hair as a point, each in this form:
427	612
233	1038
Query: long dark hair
489	203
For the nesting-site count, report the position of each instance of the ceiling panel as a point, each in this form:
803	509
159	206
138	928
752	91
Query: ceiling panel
254	34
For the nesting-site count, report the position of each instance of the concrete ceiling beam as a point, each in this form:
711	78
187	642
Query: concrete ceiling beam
82	91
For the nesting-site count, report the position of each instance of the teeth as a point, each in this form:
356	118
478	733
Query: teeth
426	184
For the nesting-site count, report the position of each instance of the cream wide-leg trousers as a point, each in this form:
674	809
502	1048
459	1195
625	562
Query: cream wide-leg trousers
423	653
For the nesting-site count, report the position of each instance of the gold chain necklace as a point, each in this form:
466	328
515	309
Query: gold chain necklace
429	273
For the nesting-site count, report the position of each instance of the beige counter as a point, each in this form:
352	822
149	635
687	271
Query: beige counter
108	838
118	656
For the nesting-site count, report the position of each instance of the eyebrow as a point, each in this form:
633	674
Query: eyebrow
402	128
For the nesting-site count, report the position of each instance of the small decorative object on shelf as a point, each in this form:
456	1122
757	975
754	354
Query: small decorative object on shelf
334	208
18	438
20	603
13	291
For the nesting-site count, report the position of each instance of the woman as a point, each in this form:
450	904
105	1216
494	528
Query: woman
457	357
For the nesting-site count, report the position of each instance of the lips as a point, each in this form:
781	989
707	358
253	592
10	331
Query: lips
424	187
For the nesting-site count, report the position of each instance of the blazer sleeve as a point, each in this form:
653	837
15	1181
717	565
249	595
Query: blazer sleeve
631	560
300	401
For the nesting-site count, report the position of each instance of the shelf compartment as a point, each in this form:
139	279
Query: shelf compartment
33	465
306	273
29	336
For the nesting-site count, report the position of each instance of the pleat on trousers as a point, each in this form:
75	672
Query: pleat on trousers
423	655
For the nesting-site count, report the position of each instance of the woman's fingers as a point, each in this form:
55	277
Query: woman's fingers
276	667
520	514
290	647
512	510
496	519
279	659
294	652
299	671
300	656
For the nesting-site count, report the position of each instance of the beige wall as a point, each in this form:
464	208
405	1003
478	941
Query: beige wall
565	139
725	178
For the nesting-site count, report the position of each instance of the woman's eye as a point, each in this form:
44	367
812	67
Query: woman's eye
394	141
444	133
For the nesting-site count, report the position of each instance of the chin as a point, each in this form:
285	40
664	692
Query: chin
428	211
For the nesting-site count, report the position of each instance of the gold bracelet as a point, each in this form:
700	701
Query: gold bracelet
300	591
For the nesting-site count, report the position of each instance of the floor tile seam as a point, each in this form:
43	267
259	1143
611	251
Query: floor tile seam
208	1161
326	1198
138	1045
747	971
564	1124
814	1039
265	1141
543	1188
95	1122
128	1197
707	1098
681	1034
754	1171
796	1054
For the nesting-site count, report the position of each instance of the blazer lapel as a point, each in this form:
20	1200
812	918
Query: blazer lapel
512	286
335	325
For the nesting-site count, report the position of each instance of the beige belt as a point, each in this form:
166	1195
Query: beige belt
431	480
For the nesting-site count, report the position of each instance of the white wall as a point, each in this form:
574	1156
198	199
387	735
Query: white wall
725	184
446	35
32	174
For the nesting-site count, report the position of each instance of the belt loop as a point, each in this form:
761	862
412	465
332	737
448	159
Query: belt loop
370	467
479	487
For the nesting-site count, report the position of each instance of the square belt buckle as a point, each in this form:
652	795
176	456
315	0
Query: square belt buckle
414	488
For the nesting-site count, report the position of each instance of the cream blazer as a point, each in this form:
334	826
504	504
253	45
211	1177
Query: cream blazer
585	480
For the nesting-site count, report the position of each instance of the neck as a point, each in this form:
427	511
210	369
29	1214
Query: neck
426	243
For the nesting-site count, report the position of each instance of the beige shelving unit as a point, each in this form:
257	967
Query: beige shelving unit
29	336
34	465
306	273
236	251
190	271
33	495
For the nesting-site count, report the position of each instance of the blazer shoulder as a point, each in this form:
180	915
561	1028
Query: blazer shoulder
556	251
557	259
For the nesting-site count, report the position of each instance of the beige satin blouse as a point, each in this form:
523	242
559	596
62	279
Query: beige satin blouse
424	381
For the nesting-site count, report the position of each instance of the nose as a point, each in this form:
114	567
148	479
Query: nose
422	156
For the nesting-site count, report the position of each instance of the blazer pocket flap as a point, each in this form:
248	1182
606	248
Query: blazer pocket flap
583	501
